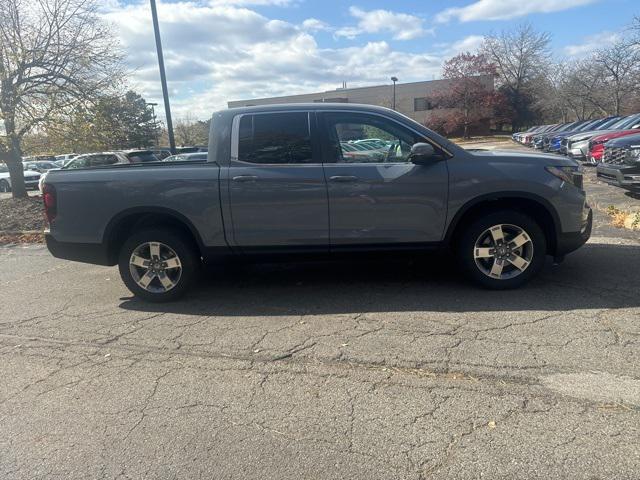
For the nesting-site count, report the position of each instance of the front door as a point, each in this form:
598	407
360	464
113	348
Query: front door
277	191
376	195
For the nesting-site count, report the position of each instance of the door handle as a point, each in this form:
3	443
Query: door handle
343	178
245	178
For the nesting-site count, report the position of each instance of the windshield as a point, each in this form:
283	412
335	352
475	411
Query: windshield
609	123
589	125
626	122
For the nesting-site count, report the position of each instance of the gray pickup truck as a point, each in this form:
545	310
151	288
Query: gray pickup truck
318	179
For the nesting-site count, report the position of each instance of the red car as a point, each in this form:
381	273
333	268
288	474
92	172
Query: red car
596	144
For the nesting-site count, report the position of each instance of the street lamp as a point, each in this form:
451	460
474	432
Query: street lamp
394	80
163	77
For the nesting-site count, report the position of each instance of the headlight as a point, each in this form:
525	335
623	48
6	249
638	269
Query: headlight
572	175
634	153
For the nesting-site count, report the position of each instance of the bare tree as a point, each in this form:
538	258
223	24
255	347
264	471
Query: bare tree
469	95
191	132
619	69
521	58
54	56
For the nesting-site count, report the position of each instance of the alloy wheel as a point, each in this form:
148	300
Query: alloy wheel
503	251
155	267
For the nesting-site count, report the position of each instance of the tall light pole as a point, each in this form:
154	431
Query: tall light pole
155	122
163	77
394	80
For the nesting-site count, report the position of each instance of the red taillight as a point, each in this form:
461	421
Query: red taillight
50	203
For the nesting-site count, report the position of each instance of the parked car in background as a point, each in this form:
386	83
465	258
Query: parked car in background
629	126
66	157
187	157
576	146
559	143
620	164
195	149
279	182
31	179
551	142
40	166
102	159
526	138
160	152
540	140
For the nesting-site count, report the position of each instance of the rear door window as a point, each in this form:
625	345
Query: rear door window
275	138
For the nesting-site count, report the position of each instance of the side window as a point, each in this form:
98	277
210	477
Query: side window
79	162
281	138
362	138
102	160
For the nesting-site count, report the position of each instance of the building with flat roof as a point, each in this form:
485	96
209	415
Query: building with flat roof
412	99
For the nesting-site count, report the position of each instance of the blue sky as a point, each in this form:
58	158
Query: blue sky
220	50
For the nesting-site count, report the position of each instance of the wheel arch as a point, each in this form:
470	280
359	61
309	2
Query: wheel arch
530	204
127	221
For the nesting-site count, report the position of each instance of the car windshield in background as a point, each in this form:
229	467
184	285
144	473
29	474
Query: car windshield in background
142	157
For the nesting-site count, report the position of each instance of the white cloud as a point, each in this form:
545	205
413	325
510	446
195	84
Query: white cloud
277	3
401	25
217	53
506	9
315	25
591	43
468	44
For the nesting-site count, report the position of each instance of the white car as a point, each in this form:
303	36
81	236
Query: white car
31	179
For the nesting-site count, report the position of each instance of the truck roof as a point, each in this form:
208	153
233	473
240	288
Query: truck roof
308	106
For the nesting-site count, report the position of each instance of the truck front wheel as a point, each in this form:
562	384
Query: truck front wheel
158	265
502	250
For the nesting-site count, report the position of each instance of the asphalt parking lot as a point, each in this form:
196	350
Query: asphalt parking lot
358	370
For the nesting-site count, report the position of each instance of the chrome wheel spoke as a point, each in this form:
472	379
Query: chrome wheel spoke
139	261
146	279
497	234
496	269
173	262
520	240
154	250
165	281
484	252
518	262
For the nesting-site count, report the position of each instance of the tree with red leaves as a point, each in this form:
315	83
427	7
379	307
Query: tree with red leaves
468	100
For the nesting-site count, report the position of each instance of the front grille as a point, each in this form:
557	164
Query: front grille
614	155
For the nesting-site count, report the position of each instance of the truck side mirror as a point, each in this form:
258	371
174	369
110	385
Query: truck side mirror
422	154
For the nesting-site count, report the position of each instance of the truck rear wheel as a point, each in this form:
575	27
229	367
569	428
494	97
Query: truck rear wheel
502	250
158	265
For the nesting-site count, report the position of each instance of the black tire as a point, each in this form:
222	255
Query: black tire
4	186
181	245
467	243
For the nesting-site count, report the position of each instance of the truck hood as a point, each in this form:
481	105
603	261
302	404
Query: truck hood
615	134
627	141
510	156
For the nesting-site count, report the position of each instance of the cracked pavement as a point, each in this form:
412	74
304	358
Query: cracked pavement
359	370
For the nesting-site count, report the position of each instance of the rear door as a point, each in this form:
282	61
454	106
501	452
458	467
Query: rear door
276	185
377	196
